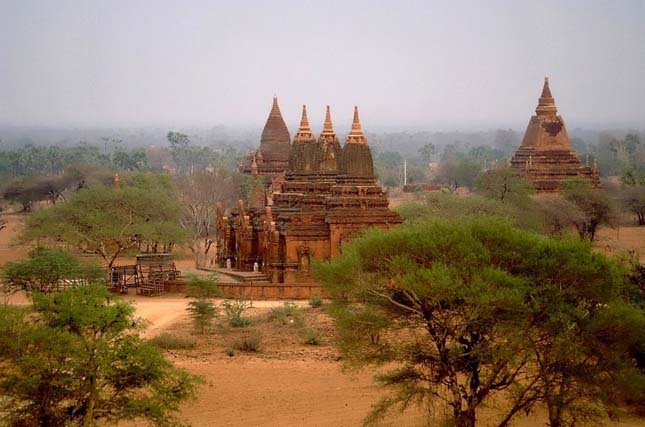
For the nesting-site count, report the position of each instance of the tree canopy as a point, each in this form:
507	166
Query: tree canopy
49	269
471	310
76	359
101	220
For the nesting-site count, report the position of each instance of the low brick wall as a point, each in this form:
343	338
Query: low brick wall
250	290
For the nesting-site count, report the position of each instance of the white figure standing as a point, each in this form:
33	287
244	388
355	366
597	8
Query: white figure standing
256	267
228	263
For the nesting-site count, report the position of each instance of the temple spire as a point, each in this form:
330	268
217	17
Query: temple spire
328	133
304	133
356	135
546	104
304	120
328	127
275	141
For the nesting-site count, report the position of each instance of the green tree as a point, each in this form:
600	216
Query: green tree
592	202
469	310
99	220
76	359
49	269
504	185
456	173
428	152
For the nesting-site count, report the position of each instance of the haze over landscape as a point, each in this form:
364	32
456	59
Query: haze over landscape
412	65
322	213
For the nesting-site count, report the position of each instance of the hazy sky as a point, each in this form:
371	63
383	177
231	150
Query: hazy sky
416	64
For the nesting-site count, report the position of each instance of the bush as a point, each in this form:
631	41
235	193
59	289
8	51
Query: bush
229	352
49	270
203	287
312	338
203	312
166	341
233	310
249	343
315	301
288	314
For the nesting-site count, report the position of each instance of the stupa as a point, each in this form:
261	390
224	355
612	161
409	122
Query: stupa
546	156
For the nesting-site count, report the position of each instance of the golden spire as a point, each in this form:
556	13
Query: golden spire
117	182
356	134
546	104
304	133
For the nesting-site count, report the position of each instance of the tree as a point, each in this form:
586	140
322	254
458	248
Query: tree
457	173
76	359
467	310
187	157
200	192
49	269
99	220
428	152
505	185
592	202
633	200
559	214
455	207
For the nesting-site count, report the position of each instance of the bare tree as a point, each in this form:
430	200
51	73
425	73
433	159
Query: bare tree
200	192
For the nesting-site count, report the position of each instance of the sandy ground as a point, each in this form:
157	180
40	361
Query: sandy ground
287	383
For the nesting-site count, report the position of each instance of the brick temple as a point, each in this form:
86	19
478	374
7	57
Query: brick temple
546	156
319	195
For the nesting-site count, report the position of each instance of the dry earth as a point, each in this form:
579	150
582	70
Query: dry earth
287	383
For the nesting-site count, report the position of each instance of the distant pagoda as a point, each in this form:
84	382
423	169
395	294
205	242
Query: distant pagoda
546	156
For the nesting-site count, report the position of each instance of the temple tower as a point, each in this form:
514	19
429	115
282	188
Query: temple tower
302	156
329	152
546	156
357	157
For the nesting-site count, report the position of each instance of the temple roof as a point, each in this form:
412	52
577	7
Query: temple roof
356	135
275	140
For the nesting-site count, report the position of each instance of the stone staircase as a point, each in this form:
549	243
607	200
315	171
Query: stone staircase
258	278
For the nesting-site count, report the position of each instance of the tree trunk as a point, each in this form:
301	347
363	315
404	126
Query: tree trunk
465	418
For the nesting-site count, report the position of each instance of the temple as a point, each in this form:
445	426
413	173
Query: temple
323	196
546	156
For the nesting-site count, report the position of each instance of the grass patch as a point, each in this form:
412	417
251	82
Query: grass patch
315	301
312	337
172	342
288	314
249	343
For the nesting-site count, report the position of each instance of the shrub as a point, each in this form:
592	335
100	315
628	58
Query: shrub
229	352
288	314
249	343
202	287
312	338
166	341
315	301
233	310
203	312
50	269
